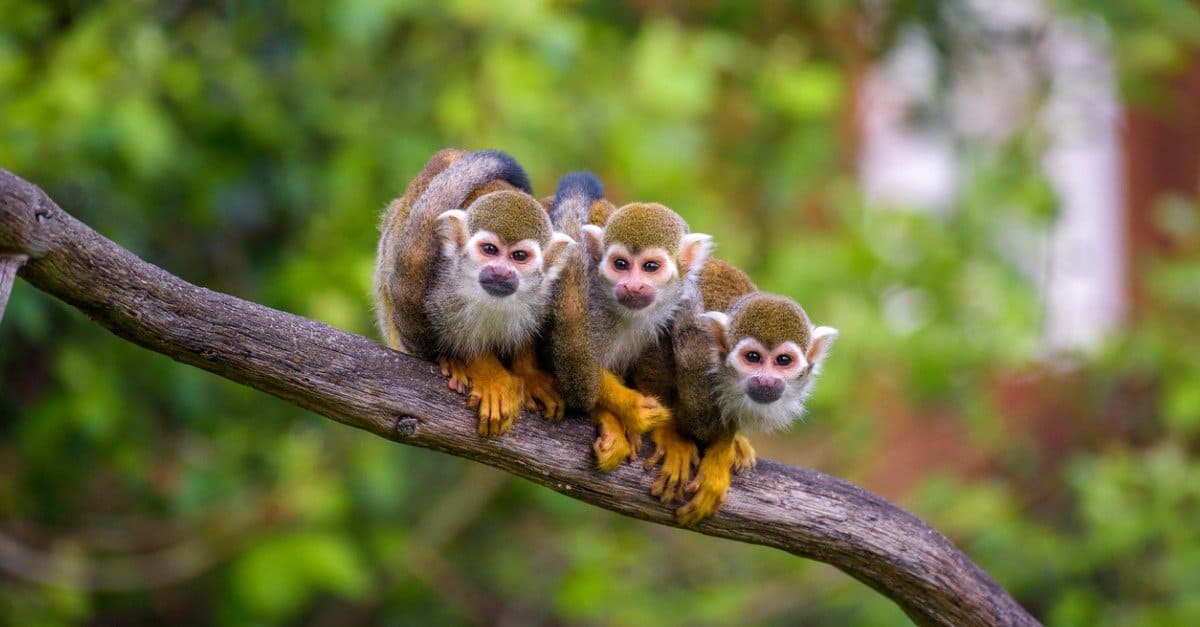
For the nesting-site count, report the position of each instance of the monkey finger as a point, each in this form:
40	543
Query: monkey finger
664	487
658	485
668	488
635	446
493	420
506	423
654	458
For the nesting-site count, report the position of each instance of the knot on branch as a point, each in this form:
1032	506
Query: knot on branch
406	426
24	208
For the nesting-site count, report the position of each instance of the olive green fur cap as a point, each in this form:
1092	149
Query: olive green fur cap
511	215
643	225
770	319
721	283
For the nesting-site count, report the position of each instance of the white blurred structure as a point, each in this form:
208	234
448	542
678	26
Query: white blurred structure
904	162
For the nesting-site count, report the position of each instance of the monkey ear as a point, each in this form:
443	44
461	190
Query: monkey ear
822	339
557	254
719	322
593	242
452	229
693	251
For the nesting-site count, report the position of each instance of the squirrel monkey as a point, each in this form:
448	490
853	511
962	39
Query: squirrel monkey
747	364
638	265
472	287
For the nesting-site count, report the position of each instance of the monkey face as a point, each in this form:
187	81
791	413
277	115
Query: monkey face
637	278
764	384
766	372
500	266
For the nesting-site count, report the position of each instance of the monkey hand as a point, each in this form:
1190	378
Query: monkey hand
456	369
678	456
744	457
496	393
611	446
637	412
541	391
712	480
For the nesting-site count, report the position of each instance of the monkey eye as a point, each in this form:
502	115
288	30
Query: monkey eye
490	250
519	255
783	360
753	357
621	264
650	266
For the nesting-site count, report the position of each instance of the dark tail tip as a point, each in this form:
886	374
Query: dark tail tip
511	170
579	184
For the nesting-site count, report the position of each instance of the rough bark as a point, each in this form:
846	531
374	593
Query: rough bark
358	382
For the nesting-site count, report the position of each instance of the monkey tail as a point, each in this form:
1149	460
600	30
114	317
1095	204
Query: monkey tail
571	350
572	205
450	189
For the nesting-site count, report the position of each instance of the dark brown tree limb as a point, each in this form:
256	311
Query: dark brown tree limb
358	382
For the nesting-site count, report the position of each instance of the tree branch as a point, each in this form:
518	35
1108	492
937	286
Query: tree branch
360	383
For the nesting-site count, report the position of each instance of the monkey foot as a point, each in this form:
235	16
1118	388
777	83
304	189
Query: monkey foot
541	393
744	457
708	493
496	394
611	446
712	480
456	369
678	455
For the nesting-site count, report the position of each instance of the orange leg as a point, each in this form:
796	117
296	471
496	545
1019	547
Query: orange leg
637	412
711	484
541	393
611	446
678	456
456	369
495	392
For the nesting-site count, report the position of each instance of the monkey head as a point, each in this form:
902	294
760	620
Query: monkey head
503	246
646	257
768	355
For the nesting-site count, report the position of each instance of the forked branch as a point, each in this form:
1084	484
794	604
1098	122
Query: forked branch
360	383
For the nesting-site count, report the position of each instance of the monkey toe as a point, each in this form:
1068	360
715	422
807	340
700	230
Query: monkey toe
456	371
703	504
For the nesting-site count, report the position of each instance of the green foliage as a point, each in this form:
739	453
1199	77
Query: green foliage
249	147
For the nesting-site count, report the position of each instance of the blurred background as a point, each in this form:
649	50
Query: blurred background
994	202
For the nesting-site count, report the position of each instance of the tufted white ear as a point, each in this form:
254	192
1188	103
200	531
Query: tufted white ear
822	339
593	242
452	230
719	322
558	254
694	249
